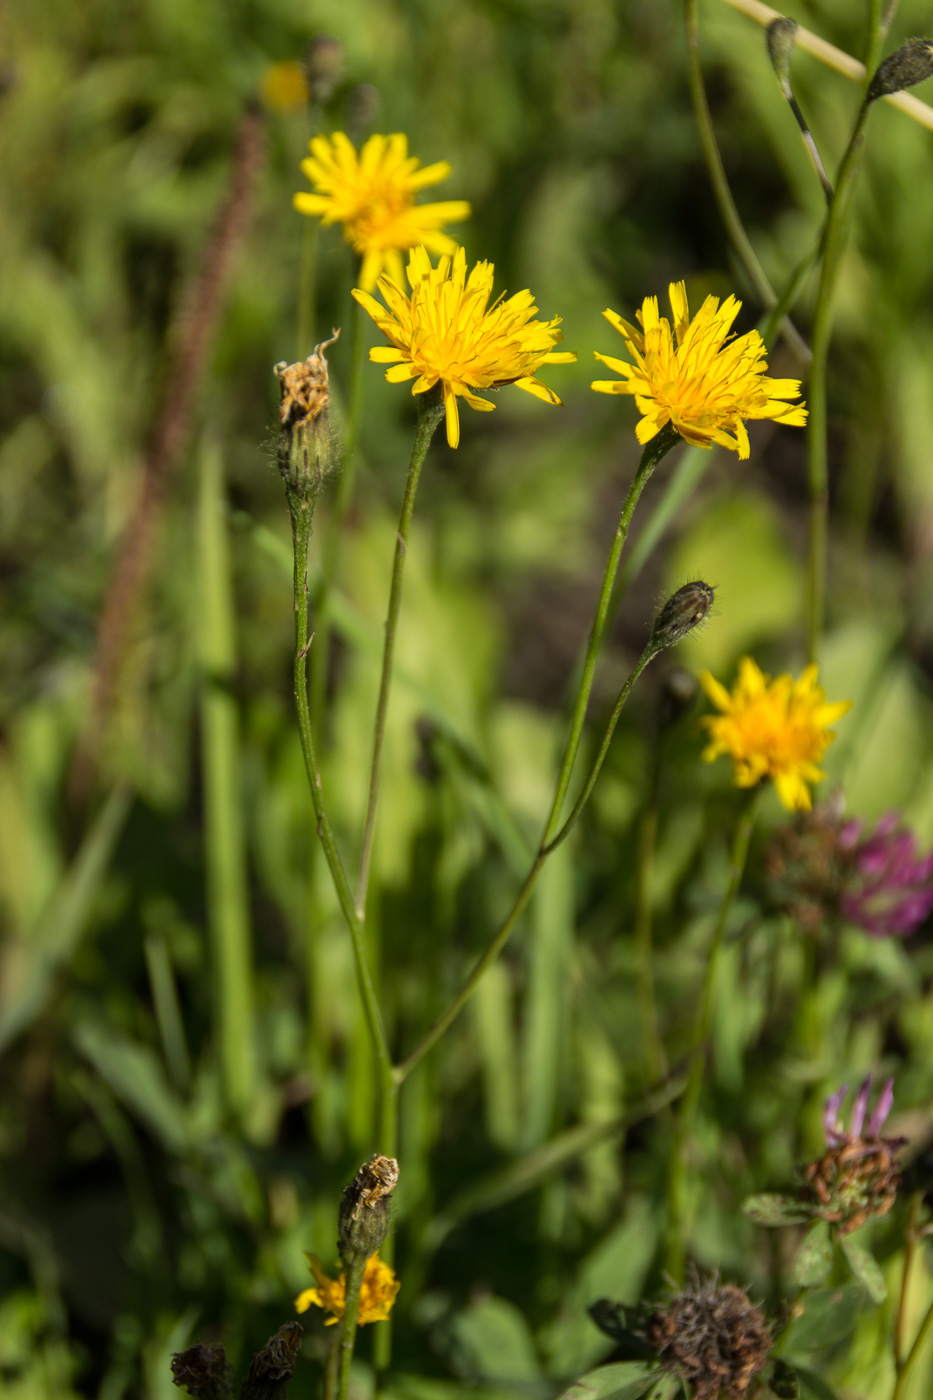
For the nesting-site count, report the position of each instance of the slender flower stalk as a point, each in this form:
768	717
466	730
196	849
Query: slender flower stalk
430	413
728	212
554	832
677	1211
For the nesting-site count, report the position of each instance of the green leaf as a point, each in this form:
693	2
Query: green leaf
621	1381
814	1257
828	1318
771	1208
812	1386
134	1074
784	1381
865	1268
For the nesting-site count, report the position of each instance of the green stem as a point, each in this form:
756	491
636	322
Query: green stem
649	653
347	1334
302	513
225	839
911	1240
686	1119
653	453
343	500
430	413
554	833
721	191
834	236
903	1374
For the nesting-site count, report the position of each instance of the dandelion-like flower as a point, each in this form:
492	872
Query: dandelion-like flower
447	333
372	193
693	375
857	1178
772	729
377	1292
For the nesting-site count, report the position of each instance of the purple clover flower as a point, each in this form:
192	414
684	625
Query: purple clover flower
889	889
836	1135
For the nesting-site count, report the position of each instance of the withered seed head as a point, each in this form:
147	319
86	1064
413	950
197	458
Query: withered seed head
305	387
713	1336
854	1182
204	1372
363	1216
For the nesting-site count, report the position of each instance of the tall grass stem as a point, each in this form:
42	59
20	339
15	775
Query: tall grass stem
225	840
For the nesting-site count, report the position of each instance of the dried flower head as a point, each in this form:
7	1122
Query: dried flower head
204	1372
714	1337
377	1293
272	1368
693	375
305	386
857	1178
363	1217
772	729
372	194
447	333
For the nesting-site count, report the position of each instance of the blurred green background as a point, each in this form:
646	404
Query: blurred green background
143	1202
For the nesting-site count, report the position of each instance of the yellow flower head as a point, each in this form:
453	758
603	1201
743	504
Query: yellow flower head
372	193
285	87
377	1292
447	333
695	377
774	729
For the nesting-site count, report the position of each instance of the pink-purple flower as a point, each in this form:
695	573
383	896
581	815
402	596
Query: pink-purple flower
836	1134
890	886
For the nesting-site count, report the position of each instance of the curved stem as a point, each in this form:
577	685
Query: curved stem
343	499
721	191
653	1057
430	413
649	653
554	833
302	513
911	1240
834	237
347	1334
653	453
686	1118
903	1375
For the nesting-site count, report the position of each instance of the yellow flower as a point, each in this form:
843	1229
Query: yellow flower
377	1292
447	333
695	377
284	87
372	193
772	729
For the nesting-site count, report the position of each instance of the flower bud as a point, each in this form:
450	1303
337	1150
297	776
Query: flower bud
204	1372
904	68
682	612
782	36
323	65
306	440
272	1368
363	1216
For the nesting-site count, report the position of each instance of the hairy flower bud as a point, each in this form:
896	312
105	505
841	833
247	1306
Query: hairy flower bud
904	68
363	1216
782	37
682	612
306	440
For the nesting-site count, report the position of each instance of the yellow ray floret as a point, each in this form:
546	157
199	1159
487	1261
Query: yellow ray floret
377	1292
693	375
372	193
447	333
776	729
